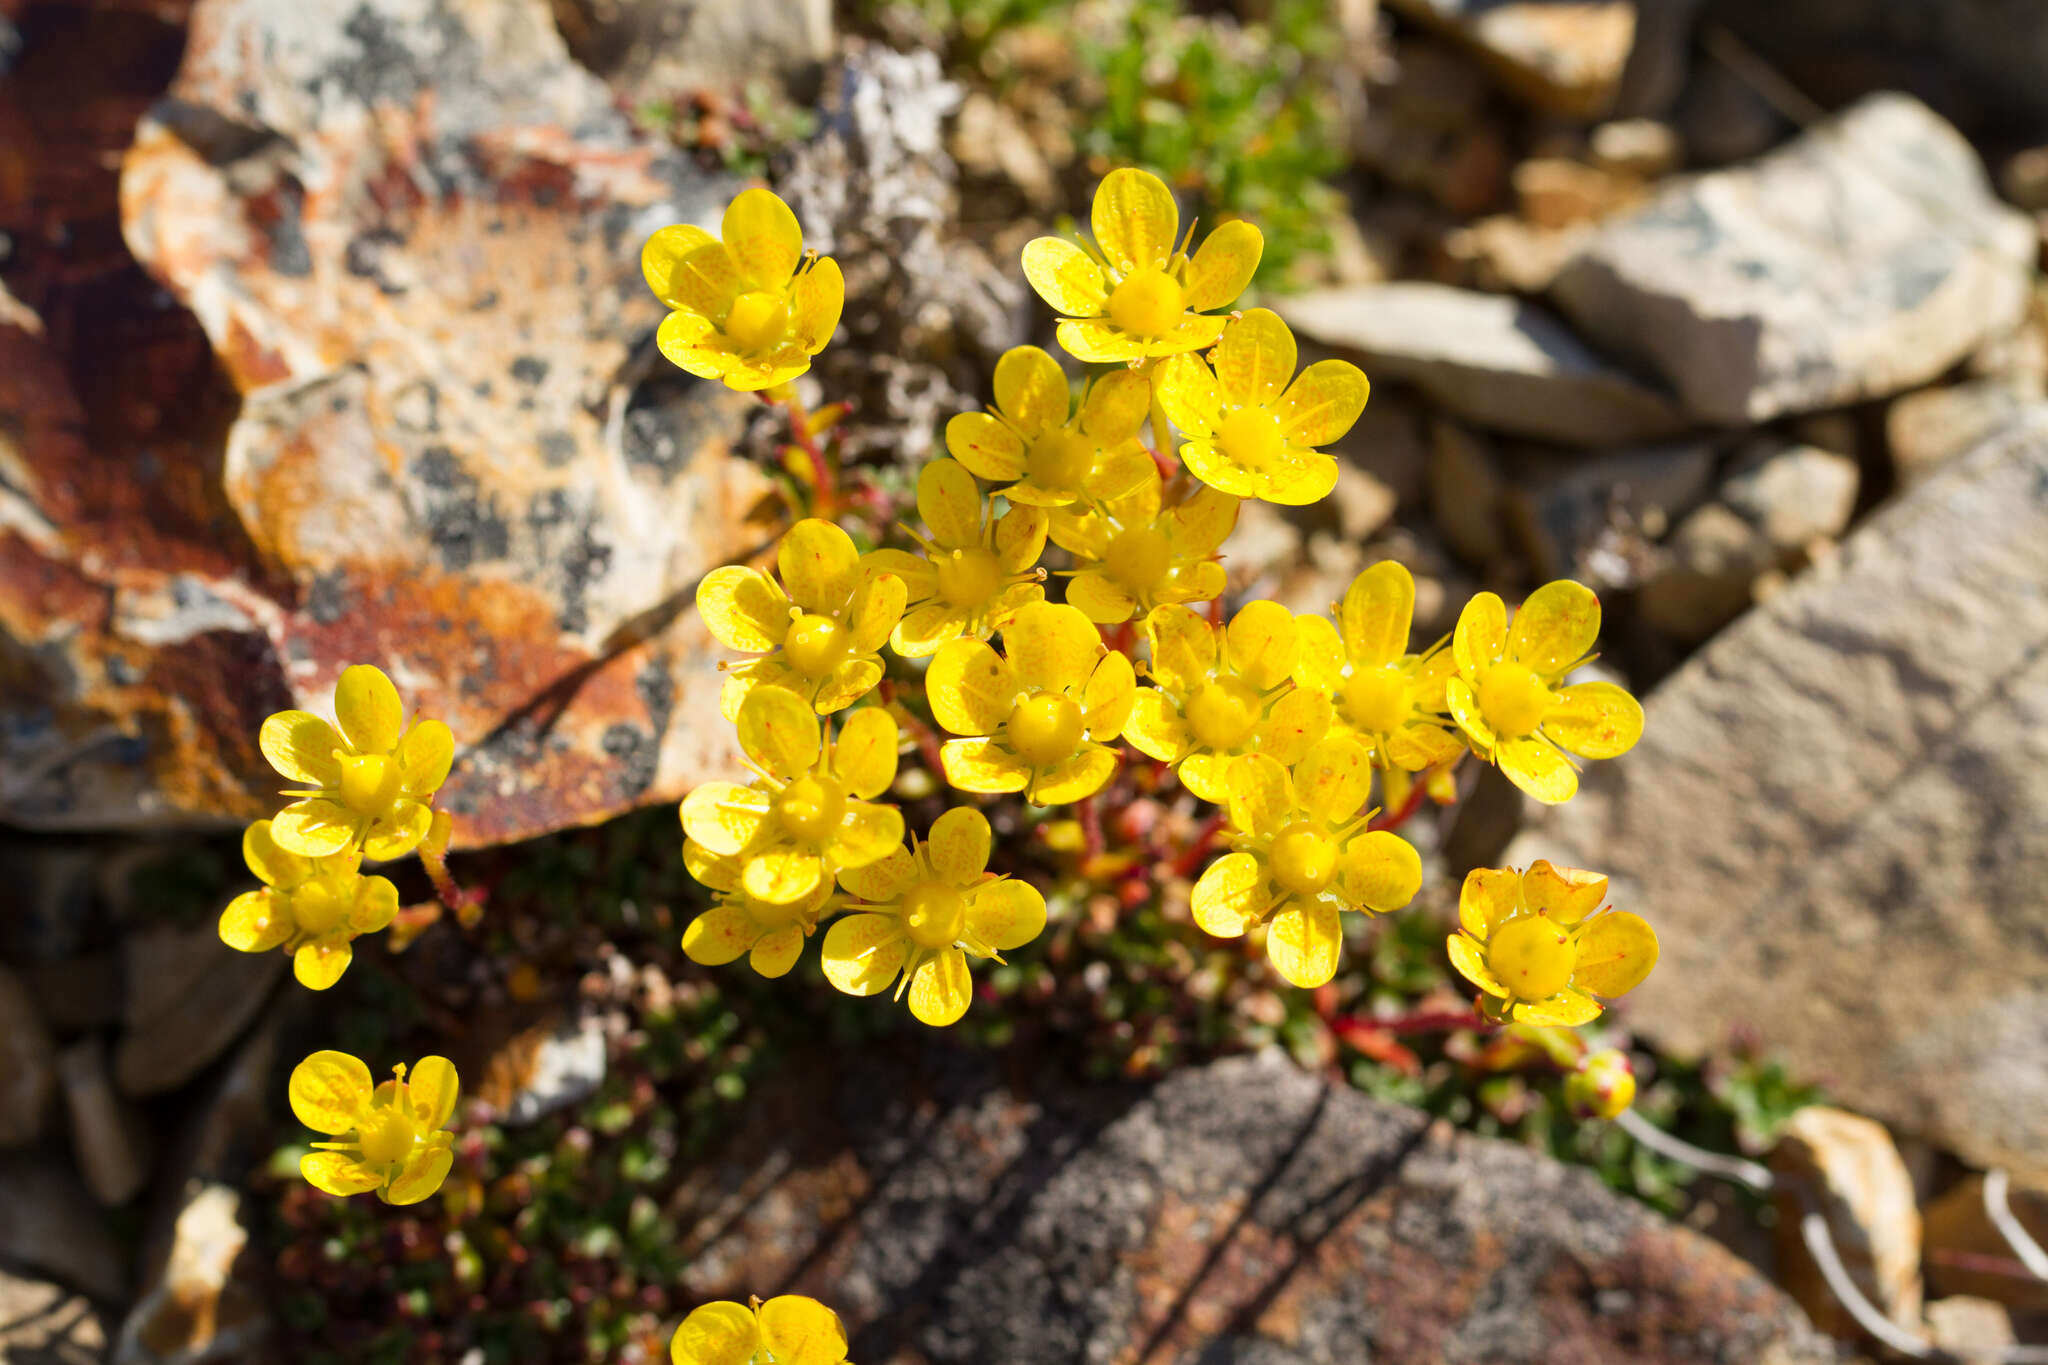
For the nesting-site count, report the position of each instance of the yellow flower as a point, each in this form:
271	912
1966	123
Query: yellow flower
1301	855
809	812
975	571
1603	1085
1139	556
787	1330
751	310
822	636
1044	457
1533	942
368	786
1249	432
1391	699
1041	721
739	922
923	912
1137	294
394	1142
1507	697
310	907
1213	700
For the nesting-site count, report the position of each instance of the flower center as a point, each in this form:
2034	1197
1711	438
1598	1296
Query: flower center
1379	700
1149	302
1223	713
1303	859
815	645
1532	956
1043	729
757	321
1251	436
810	808
320	904
969	577
1512	700
1138	558
369	782
934	915
385	1136
1060	459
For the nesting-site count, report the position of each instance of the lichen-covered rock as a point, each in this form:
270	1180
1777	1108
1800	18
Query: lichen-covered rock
1567	59
1237	1212
409	229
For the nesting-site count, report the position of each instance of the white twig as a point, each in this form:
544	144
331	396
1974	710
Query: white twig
1735	1168
2009	1227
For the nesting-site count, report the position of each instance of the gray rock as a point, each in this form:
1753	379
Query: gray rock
1580	517
1566	59
1851	1171
1925	430
1496	362
1465	491
195	1309
1704	576
106	1133
1864	258
28	1074
1794	494
1240	1211
189	997
665	50
46	1324
1838	817
53	1226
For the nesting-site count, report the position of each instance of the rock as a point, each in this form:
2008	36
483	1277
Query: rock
1575	516
1722	118
1925	430
106	1134
443	445
2024	178
45	1324
1465	491
53	1226
991	140
1640	147
655	50
1357	507
1836	816
1974	1331
1240	1211
544	1068
1386	443
1564	59
197	1309
1661	58
53	910
1965	1252
28	1065
1505	254
1706	574
1864	258
78	993
1495	362
189	997
1483	823
1794	494
1847	1164
1556	191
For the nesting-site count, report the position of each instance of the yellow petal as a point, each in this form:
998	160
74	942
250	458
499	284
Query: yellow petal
1203	522
367	705
1198	582
1020	538
1334	781
424	757
864	755
763	237
1465	708
1208	463
328	1091
1031	389
301	746
432	1087
1097	341
1261	797
1262	644
782	876
1489	895
1052	645
1303	943
1556	627
687	339
1191	334
314	828
687	267
718	871
1121	471
1083	773
1594	720
941	989
1471	964
338	1173
724	817
925	630
1005	914
1116	407
720	935
779	731
980	765
1231	896
802	1331
1616	951
1566	894
400	832
877	606
1223	265
818	564
1155	727
721	1333
971	689
958	846
1066	277
863	954
1106	701
1537	768
1207	775
1296	722
1299	477
986	446
1184	646
320	963
1420	745
777	951
252	924
949	500
1188	394
1481	637
272	865
1255	358
849	681
1566	1009
815	303
1322	403
1381	871
886	879
743	608
1134	219
867	834
421	1175
1100	600
1319	657
1377	612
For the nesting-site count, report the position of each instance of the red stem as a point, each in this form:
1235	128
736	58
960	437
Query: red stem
1417	789
799	433
1199	845
1091	825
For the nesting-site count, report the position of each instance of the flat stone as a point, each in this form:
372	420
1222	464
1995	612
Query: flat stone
1242	1211
1966	1255
1575	516
54	1226
28	1064
1838	816
107	1135
1975	1331
1496	362
1925	430
196	1309
1565	59
656	50
1865	257
1704	576
1851	1169
189	997
46	1324
1793	493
